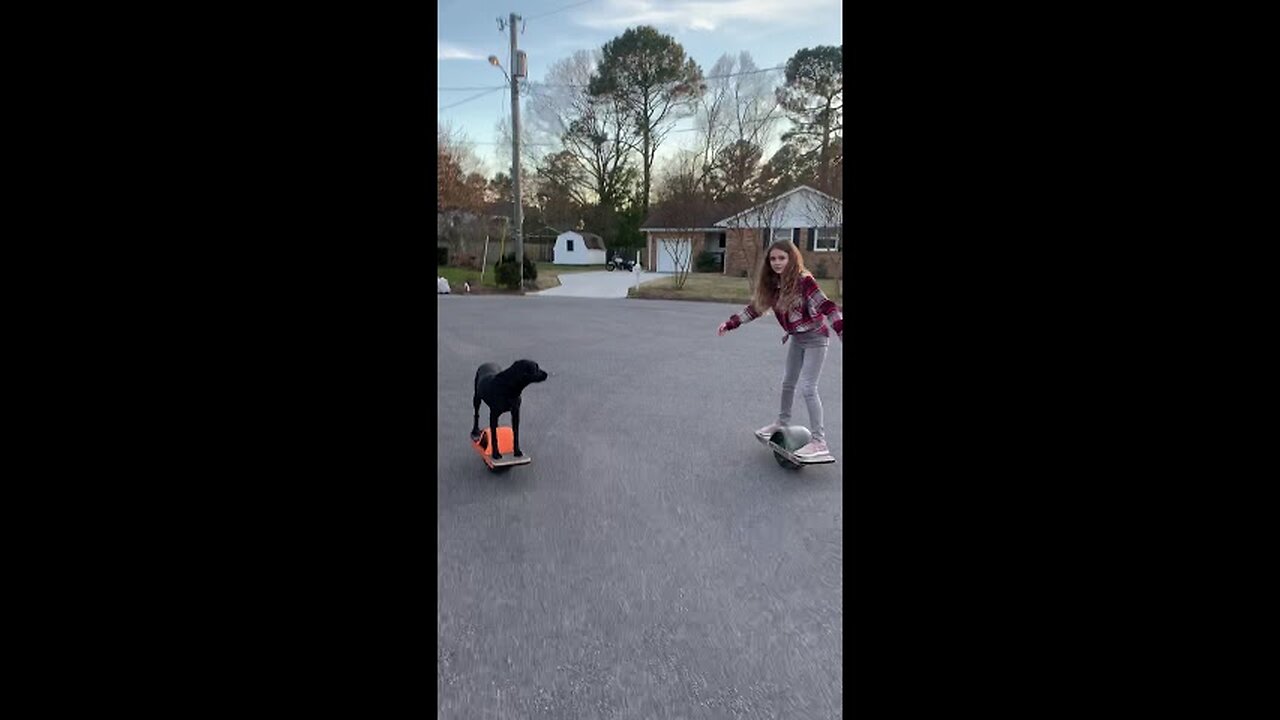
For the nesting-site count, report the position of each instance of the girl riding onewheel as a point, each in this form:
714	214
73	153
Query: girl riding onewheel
786	287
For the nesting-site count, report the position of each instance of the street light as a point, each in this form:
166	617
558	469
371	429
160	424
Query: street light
517	213
493	60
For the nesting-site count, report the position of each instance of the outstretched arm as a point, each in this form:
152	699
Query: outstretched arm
735	321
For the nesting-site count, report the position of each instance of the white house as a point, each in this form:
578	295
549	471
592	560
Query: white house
573	248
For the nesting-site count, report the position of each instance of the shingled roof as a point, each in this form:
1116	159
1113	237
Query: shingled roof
688	215
775	200
591	240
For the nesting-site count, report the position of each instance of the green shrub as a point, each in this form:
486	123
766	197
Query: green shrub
820	269
707	262
506	273
442	256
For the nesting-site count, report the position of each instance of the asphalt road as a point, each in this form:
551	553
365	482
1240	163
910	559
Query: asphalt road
653	561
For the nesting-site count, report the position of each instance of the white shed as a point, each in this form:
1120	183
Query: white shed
573	248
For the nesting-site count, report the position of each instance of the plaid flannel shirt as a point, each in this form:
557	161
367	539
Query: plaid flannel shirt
806	315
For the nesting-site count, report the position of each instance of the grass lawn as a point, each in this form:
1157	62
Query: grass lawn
548	276
456	276
712	287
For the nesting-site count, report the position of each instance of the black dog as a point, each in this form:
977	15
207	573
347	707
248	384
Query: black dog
501	392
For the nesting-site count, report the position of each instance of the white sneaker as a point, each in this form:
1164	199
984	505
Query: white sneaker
767	431
815	448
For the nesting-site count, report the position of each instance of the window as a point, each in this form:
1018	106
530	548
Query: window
569	244
778	234
721	241
827	239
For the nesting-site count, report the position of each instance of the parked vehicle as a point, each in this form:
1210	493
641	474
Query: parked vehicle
619	262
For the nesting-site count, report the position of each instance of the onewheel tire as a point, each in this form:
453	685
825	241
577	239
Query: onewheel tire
792	437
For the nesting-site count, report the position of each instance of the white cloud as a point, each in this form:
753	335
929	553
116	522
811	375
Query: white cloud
707	14
449	51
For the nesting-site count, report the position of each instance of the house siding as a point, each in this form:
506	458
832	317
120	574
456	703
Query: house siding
744	250
801	208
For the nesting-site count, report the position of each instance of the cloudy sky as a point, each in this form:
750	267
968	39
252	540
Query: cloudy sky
771	30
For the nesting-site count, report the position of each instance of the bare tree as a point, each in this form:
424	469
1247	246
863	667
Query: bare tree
594	131
736	118
456	143
530	152
682	209
460	193
672	246
737	172
556	101
757	112
455	161
713	122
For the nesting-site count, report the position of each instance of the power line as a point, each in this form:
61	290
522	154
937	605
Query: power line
708	77
745	72
473	97
553	12
522	144
480	87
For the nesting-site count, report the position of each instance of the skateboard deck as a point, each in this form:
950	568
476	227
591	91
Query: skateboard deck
506	447
796	437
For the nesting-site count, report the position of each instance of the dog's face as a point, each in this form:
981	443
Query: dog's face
527	371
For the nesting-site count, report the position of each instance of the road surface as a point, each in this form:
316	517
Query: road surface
653	561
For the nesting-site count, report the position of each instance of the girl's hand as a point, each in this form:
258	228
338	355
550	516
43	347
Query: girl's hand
723	329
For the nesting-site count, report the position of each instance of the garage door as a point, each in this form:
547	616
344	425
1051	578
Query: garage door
666	263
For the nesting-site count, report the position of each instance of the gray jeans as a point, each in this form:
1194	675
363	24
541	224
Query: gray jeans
804	364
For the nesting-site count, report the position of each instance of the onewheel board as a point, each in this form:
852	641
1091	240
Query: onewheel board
786	441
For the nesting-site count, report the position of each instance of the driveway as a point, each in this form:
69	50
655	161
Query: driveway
598	284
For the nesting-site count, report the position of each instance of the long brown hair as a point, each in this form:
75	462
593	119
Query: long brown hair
772	291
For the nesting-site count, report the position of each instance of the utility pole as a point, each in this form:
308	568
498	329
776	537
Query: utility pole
517	225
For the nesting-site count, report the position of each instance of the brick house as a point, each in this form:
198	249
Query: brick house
811	219
683	232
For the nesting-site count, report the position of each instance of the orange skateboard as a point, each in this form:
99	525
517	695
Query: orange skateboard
506	447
